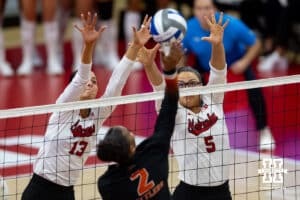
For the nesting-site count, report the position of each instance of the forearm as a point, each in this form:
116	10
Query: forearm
87	53
119	77
153	75
115	85
166	118
171	84
218	56
252	52
75	88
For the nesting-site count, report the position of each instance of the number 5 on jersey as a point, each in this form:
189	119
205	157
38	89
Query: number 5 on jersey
210	145
144	184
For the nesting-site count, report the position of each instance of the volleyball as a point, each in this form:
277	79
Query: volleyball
167	25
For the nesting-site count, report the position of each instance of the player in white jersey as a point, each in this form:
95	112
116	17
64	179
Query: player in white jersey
71	135
200	140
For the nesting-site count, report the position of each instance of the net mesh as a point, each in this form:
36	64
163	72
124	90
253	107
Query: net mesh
253	175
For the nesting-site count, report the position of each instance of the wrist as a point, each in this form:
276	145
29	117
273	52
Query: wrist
169	71
89	46
218	44
167	68
136	46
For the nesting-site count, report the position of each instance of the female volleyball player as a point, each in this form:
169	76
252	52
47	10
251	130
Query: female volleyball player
71	135
142	172
200	141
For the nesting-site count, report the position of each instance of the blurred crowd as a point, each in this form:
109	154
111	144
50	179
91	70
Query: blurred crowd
275	22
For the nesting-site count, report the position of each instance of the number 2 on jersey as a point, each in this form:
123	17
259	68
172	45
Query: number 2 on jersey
82	146
210	145
144	184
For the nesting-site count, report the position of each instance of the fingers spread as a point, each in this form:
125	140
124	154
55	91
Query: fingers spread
207	21
89	18
156	47
206	39
145	20
134	30
226	23
148	23
83	20
220	19
94	22
213	18
77	27
101	29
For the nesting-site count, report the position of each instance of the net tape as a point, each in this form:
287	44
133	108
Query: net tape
150	96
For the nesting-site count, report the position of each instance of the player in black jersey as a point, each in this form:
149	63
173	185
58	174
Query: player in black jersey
141	172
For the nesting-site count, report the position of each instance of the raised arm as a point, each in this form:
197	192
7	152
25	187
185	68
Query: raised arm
121	72
165	122
90	36
218	67
147	58
217	60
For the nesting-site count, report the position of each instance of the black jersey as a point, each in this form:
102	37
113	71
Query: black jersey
147	175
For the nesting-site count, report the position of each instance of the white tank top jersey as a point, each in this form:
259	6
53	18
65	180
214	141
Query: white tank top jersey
200	142
69	138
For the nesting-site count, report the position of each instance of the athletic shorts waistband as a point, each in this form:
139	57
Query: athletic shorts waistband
207	189
44	182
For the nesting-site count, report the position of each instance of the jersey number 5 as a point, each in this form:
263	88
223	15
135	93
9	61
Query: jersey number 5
210	145
82	146
144	184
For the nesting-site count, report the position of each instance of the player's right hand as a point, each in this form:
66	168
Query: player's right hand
216	29
142	36
88	30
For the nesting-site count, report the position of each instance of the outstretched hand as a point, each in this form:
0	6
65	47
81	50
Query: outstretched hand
88	30
147	56
171	60
216	29
141	37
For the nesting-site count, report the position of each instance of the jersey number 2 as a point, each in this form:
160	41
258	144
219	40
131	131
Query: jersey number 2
210	145
144	184
82	146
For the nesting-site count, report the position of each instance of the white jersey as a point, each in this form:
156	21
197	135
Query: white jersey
69	138
200	141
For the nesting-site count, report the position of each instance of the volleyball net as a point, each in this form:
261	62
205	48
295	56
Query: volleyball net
253	174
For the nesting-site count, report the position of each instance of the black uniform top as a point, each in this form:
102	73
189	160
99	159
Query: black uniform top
147	175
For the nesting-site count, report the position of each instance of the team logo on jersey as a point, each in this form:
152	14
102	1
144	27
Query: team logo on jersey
78	131
199	127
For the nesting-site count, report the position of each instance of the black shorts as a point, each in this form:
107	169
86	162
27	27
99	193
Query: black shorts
40	188
190	192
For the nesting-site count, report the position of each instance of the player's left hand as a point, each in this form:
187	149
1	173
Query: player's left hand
147	56
239	66
141	37
216	29
171	60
